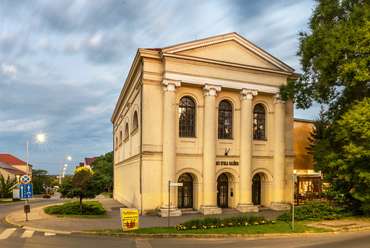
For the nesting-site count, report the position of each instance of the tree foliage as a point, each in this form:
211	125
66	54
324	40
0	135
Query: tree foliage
104	165
335	60
335	56
344	158
83	184
39	179
6	185
318	129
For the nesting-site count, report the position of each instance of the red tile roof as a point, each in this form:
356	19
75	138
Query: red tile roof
11	169
88	161
11	160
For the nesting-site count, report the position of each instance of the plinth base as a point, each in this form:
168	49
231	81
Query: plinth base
247	208
279	206
210	209
174	211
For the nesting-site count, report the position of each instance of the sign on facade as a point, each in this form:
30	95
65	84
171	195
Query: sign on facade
25	191
130	219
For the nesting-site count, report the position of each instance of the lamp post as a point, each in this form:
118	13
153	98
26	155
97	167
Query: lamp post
61	168
40	138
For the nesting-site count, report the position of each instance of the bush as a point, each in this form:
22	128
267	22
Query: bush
213	220
315	211
73	208
46	196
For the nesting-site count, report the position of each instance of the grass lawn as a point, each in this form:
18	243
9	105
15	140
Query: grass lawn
3	202
91	209
107	194
278	227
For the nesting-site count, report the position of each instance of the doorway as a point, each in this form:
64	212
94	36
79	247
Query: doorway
256	190
185	192
222	191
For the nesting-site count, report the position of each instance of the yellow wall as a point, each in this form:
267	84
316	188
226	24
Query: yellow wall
302	160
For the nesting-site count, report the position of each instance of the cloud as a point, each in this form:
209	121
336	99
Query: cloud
8	71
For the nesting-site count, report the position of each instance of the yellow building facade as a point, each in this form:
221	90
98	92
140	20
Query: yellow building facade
206	114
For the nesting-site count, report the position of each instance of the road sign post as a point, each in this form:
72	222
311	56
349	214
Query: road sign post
169	200
26	192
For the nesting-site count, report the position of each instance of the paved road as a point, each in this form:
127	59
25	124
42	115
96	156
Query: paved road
13	237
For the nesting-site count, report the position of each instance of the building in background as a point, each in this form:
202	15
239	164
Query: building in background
13	166
206	114
309	182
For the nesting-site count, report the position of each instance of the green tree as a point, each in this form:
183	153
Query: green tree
104	165
39	179
344	158
334	56
318	129
6	185
83	184
335	59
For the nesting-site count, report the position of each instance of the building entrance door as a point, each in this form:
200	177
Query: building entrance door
256	190
185	192
222	190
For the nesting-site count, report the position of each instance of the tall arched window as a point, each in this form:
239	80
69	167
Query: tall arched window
186	117
135	123
126	131
259	120
225	120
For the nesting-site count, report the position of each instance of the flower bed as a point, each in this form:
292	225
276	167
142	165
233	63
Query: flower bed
209	223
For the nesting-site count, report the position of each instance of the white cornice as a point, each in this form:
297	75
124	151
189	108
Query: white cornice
196	80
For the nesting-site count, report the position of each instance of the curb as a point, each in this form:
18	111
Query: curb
213	236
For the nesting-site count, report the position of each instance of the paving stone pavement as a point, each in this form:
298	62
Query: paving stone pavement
39	221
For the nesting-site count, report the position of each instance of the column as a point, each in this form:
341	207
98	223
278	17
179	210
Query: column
209	205
169	146
246	141
279	155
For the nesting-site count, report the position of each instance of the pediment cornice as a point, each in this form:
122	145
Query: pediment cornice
221	64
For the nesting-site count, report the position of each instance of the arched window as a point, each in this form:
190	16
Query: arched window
225	120
135	123
126	131
186	117
259	120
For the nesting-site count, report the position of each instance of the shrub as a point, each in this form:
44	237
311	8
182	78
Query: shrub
73	208
315	211
46	196
213	222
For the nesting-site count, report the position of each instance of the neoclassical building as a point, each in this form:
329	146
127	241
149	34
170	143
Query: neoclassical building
208	114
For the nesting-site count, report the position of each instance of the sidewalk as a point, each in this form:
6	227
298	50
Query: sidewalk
39	221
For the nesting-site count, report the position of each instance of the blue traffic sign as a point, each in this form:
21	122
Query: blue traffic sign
25	191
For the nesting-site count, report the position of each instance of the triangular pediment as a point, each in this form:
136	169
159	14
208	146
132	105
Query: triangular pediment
230	48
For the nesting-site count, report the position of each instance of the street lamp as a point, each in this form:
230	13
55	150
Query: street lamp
61	166
40	138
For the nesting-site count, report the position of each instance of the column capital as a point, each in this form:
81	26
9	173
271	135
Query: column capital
170	85
211	90
247	94
277	99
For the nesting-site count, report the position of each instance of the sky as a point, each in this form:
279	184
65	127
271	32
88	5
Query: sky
63	63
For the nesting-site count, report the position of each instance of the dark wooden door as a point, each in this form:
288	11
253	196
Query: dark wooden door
222	191
256	190
185	192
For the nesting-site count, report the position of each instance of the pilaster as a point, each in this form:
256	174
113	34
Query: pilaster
279	155
246	139
169	146
209	205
